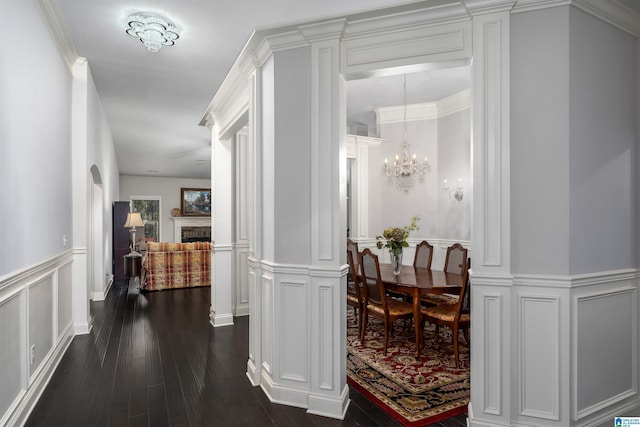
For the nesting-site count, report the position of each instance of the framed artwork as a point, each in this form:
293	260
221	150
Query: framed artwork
195	201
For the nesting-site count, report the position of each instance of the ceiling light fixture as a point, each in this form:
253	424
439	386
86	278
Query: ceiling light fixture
405	168
152	30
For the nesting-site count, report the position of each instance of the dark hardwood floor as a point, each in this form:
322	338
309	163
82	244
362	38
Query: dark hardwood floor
153	359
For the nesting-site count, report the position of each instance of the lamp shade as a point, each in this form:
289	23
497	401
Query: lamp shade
133	220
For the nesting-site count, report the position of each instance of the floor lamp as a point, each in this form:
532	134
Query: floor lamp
133	220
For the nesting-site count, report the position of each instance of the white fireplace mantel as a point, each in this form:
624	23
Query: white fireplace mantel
188	221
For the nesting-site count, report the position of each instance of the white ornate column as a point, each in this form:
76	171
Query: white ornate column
241	244
491	345
254	201
329	393
222	232
81	209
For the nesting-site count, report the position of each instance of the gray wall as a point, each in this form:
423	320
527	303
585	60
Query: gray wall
35	143
573	139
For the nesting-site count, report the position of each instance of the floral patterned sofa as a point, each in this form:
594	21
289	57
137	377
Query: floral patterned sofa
176	265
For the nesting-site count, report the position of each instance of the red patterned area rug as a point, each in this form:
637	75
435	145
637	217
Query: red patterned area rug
414	392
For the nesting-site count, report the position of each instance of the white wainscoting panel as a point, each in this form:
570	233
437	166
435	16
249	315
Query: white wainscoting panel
255	320
606	348
12	352
241	296
492	306
64	298
327	317
35	309
268	307
539	356
292	319
41	327
491	354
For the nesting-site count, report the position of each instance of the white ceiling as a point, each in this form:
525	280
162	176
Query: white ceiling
154	101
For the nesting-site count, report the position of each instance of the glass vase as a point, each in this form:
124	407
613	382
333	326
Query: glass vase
396	261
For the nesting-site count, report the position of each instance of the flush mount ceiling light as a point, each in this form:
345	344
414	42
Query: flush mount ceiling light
152	30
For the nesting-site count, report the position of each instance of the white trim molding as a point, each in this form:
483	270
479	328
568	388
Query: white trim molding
38	300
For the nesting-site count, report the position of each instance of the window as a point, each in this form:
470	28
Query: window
149	209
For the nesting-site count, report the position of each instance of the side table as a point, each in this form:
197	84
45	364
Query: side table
132	265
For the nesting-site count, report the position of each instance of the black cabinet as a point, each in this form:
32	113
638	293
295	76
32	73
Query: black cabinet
120	239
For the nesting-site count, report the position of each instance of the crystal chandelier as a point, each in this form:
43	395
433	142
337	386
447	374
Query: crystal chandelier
405	168
152	30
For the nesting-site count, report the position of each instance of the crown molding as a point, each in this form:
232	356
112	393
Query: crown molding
55	24
613	12
478	7
454	103
415	112
409	23
424	111
529	5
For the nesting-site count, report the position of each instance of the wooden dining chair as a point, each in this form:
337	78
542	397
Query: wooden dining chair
455	262
424	255
354	293
456	259
376	301
352	247
455	316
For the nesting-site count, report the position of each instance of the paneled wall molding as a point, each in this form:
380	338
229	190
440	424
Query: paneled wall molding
400	19
222	229
446	44
360	55
574	281
386	38
604	317
35	304
539	392
494	390
491	144
26	275
304	372
328	140
492	280
222	248
253	80
241	281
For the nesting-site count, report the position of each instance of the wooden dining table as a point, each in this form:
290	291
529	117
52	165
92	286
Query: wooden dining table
415	282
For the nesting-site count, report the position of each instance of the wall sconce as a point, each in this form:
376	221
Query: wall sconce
455	195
